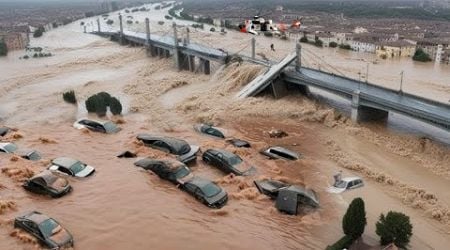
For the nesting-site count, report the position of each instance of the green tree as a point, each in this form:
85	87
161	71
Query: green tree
354	220
395	228
304	39
421	56
70	97
3	48
38	32
318	43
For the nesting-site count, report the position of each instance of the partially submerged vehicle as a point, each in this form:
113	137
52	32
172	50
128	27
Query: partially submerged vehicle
287	196
227	162
277	152
47	183
127	154
185	153
167	169
47	230
4	131
206	192
239	143
346	184
209	130
72	167
11	148
107	127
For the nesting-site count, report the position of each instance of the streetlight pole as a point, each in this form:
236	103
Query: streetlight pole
367	73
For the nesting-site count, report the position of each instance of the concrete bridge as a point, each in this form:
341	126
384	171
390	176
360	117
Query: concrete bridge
368	101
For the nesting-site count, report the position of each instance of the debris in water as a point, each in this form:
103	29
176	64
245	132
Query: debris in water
276	133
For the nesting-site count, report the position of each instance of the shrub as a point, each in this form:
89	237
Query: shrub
318	43
354	219
212	29
394	228
421	56
26	57
90	104
283	37
304	39
268	34
69	97
129	22
160	22
333	44
345	46
115	106
343	243
106	97
100	106
109	22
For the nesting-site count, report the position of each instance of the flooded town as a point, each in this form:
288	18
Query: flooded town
204	124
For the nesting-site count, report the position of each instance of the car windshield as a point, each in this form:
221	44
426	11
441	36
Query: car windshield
340	184
182	172
77	167
210	190
48	227
235	160
11	147
110	127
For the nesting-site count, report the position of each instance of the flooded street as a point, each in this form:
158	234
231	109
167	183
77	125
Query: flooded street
122	206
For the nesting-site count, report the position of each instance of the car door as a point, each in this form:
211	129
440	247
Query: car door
199	194
34	230
189	188
37	187
160	145
350	185
221	162
65	171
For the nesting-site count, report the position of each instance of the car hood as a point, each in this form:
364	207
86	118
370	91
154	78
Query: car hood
335	190
88	170
193	151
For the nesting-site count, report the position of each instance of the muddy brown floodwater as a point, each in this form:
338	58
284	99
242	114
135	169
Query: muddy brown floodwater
121	206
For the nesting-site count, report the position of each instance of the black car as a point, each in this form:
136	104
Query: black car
206	191
47	230
107	127
227	162
167	169
239	143
209	130
280	153
185	153
47	183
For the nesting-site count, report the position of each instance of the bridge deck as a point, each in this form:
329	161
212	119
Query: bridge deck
262	81
375	96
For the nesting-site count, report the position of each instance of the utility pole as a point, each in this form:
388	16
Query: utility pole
176	55
188	38
147	29
298	61
401	82
98	25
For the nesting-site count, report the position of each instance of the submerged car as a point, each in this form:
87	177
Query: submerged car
185	153
47	230
209	130
11	148
107	127
4	131
72	167
227	162
345	184
167	169
47	183
280	153
239	143
206	192
287	196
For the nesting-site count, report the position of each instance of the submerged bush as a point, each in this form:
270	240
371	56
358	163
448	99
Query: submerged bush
70	97
99	103
115	106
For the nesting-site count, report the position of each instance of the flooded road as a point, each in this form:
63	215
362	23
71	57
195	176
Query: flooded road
121	206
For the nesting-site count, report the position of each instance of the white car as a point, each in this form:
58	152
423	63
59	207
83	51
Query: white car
345	184
107	127
72	167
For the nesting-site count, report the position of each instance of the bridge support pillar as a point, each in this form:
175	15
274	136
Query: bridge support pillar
183	61
205	66
362	113
279	88
191	62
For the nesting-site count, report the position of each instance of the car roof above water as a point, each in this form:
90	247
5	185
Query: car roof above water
64	161
36	217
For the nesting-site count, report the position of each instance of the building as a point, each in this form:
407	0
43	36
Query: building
435	48
326	38
364	44
15	40
395	49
